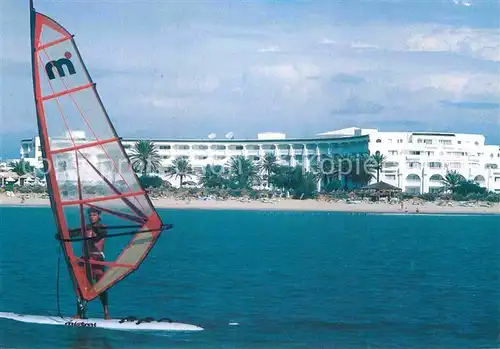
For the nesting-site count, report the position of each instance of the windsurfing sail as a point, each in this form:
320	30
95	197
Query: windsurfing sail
85	164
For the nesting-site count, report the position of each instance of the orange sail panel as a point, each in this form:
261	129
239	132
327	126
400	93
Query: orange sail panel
86	165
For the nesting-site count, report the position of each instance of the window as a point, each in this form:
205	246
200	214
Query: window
428	141
200	147
492	166
378	141
479	178
390	176
414	152
419	141
218	147
390	164
393	152
435	165
389	140
164	147
180	147
400	140
413	177
445	141
459	142
436	177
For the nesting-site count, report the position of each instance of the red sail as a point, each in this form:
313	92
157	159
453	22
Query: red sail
86	164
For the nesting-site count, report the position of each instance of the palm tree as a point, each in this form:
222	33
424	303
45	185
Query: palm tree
324	169
306	186
268	166
452	180
343	169
21	167
243	172
145	157
180	168
378	160
282	177
364	167
213	176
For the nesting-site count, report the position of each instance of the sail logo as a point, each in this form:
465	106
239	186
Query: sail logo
59	65
80	324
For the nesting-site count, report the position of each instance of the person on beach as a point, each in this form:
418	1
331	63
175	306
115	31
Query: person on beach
95	236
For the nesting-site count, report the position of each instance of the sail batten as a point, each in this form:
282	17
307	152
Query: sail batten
55	42
86	164
74	89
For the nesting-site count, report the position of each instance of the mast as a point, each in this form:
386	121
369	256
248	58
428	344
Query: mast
44	144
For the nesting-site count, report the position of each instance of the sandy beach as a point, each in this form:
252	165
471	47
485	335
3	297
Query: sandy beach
296	205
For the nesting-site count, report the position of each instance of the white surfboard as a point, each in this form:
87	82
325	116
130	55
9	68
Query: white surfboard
113	324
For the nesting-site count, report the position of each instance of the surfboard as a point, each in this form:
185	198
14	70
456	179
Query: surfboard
88	174
113	324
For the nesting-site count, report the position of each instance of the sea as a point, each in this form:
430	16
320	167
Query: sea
271	279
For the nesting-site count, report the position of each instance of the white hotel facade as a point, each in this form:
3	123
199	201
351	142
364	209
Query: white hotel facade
416	162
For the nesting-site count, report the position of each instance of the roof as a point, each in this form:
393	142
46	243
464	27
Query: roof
253	140
381	186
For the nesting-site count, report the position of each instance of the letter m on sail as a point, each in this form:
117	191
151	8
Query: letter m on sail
59	65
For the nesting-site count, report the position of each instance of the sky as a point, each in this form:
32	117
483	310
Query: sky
185	69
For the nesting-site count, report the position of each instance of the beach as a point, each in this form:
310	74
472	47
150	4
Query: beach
410	206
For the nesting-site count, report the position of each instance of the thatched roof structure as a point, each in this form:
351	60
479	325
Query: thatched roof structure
381	186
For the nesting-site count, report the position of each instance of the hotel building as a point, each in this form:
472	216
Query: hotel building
415	161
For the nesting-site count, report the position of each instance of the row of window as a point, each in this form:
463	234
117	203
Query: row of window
436	178
425	141
436	165
431	153
321	146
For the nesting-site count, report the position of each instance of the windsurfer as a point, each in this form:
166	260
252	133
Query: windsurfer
96	231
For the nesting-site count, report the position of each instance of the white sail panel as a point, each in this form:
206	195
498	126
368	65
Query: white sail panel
49	35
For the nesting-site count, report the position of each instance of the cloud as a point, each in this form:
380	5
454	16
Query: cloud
347	79
480	43
465	3
355	105
471	105
326	41
269	49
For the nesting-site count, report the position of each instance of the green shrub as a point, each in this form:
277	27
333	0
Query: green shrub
493	197
458	197
151	181
428	197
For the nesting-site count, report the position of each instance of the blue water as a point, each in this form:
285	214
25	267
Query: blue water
290	280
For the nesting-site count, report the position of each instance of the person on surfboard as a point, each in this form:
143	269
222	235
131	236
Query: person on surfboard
95	232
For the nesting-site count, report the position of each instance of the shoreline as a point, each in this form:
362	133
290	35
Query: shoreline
293	205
